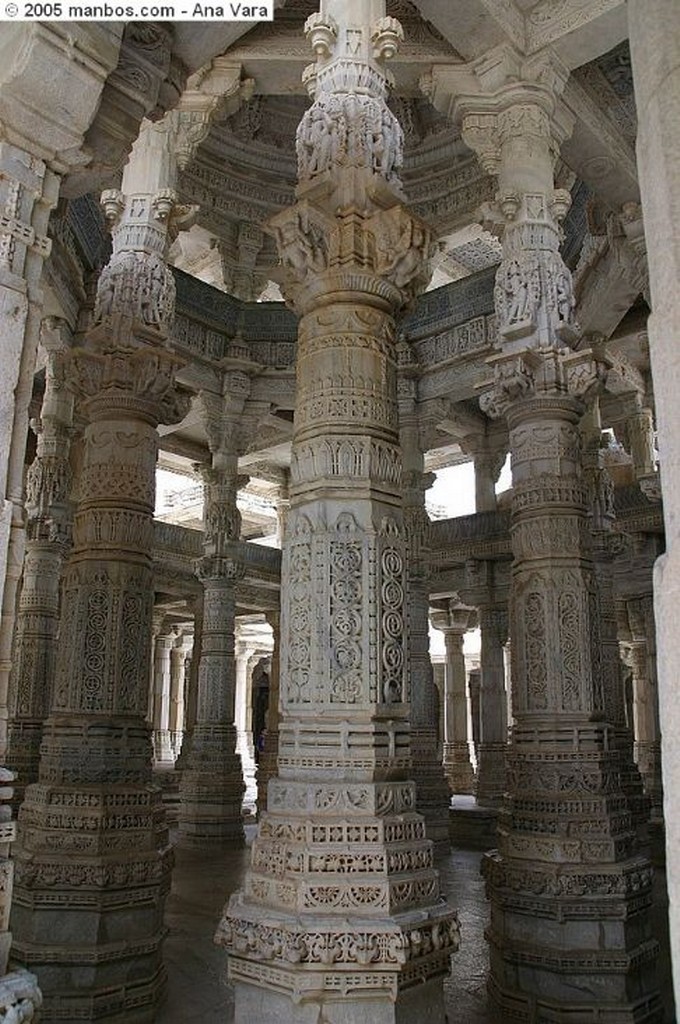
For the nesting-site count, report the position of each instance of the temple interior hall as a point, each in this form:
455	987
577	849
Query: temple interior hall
340	515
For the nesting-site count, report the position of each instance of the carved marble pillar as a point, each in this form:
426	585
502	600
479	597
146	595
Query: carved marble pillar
474	689
647	726
566	832
488	463
340	916
454	622
191	701
92	857
244	740
211	789
48	528
606	544
180	662
162	747
266	768
655	54
493	721
432	790
28	192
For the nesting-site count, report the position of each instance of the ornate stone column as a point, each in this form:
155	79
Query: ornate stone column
655	53
28	192
266	768
191	686
180	661
432	790
48	530
243	654
162	747
454	622
645	699
211	789
93	861
606	544
566	832
493	705
340	915
474	689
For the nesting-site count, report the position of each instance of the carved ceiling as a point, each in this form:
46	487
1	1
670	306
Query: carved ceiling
245	169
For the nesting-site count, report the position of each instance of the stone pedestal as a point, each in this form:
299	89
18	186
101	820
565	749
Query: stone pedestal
340	915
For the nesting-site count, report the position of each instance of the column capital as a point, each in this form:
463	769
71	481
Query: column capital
550	373
455	619
218	90
117	369
500	95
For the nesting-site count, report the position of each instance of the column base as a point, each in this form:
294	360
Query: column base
570	888
648	760
92	869
23	755
458	769
266	770
433	797
491	774
267	1006
211	791
163	752
552	955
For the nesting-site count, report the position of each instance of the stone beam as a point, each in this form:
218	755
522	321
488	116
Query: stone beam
51	78
196	44
474	26
578	30
597	151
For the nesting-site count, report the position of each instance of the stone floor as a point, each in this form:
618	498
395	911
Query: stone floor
197	987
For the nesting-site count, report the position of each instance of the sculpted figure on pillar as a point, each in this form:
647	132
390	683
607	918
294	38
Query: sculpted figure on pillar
340	914
567	829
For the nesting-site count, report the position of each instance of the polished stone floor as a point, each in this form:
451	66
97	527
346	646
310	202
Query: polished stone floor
197	986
